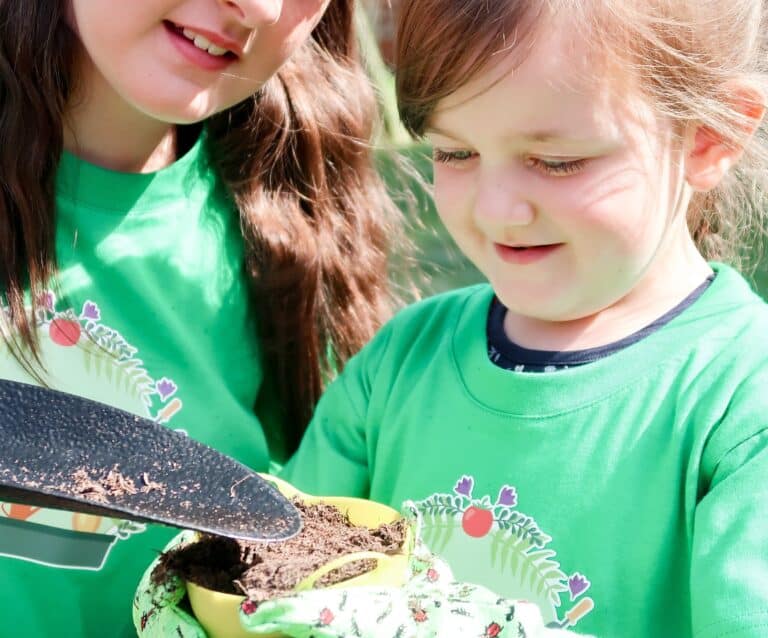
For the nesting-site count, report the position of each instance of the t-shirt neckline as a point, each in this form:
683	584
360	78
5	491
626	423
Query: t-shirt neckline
88	185
510	351
571	389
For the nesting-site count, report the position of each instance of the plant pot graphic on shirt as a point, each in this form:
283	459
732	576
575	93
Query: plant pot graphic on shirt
54	546
59	538
490	541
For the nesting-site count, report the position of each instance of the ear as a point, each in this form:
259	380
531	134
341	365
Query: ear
709	154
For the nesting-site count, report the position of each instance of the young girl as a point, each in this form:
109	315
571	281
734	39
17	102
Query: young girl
589	431
182	237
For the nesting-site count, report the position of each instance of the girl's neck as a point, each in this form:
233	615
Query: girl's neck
103	129
668	281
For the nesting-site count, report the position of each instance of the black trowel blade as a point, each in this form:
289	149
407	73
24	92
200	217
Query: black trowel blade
49	438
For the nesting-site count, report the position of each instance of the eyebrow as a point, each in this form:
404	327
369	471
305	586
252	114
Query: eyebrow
547	136
439	131
534	136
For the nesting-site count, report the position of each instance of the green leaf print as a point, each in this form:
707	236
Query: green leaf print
135	380
502	544
548	575
522	526
127	375
441	504
552	582
512	551
94	358
447	503
535	570
437	529
111	341
87	357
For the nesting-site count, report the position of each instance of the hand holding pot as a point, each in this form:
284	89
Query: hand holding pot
430	604
156	609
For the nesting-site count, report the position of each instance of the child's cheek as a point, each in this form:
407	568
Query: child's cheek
454	190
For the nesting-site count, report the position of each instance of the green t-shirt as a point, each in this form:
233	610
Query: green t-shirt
151	315
626	497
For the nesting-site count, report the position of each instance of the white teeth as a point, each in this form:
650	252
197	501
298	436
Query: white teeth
214	50
203	43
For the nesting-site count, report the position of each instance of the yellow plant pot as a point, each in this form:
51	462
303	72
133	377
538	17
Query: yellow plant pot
218	612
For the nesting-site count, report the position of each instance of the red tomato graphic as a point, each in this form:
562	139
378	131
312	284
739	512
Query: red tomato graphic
477	521
64	332
492	630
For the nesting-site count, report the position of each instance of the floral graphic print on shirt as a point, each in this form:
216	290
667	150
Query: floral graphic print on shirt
81	352
491	541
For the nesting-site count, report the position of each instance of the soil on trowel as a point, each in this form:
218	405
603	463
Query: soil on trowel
263	570
94	484
99	486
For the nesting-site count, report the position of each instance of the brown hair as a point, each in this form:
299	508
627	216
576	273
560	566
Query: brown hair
684	52
316	219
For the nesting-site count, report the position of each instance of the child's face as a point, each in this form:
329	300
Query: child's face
562	188
142	51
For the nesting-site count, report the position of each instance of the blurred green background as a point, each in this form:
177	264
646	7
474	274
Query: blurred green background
439	264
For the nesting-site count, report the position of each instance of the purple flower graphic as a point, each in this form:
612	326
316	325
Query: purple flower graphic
165	388
464	486
91	311
47	300
578	584
507	496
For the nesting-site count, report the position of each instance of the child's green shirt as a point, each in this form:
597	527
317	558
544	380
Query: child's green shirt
626	497
151	316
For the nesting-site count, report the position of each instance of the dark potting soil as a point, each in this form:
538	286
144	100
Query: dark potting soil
263	570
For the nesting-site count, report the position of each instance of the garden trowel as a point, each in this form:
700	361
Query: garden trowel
62	451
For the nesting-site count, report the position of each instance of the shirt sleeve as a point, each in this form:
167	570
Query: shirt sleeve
333	458
729	569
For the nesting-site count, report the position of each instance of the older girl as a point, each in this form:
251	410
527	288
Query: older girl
190	225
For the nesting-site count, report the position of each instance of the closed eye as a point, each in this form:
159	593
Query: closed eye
449	157
556	167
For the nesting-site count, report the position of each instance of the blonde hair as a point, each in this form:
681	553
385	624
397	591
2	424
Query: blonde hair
687	54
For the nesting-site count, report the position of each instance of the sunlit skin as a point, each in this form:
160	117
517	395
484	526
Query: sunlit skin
139	76
569	194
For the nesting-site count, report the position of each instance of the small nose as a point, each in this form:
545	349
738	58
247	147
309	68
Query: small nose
501	200
255	13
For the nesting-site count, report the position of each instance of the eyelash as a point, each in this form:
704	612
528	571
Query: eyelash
557	168
446	157
560	168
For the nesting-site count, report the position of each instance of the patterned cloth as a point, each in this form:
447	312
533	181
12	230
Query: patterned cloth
430	604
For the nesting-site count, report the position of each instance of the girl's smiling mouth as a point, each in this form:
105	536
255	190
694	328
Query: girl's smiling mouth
522	255
202	48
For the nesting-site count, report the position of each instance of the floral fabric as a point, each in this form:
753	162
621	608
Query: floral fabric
430	604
